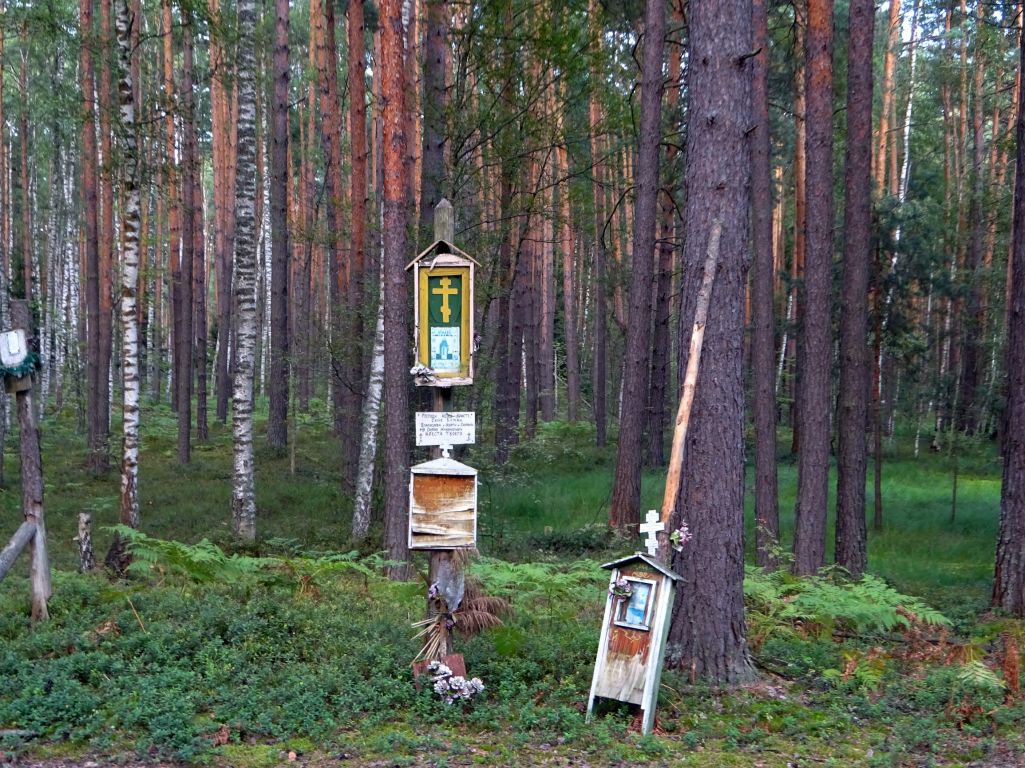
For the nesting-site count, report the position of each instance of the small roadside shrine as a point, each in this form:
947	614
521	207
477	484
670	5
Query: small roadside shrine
633	634
443	491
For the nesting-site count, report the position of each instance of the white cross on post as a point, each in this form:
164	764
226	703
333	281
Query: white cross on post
650	527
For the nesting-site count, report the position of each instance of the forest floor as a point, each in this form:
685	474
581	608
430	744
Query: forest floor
299	653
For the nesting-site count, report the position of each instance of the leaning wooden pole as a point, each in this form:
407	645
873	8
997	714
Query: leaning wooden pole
697	339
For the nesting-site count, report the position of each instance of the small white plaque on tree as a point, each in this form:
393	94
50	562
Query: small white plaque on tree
445	428
13	348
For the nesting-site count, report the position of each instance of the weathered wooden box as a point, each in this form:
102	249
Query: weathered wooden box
442	505
633	635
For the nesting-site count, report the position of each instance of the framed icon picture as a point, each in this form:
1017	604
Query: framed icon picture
635	611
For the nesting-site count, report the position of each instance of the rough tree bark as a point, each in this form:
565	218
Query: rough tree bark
395	288
1009	576
814	331
243	498
707	635
277	417
762	358
661	346
624	509
852	418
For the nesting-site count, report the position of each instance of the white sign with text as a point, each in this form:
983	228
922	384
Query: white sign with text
445	428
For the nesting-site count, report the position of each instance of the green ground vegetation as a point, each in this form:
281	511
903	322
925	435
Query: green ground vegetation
212	655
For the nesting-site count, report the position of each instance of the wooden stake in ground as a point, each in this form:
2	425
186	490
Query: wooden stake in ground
443	564
697	338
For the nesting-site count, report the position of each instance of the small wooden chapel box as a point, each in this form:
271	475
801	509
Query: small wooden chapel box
444	342
442	505
633	635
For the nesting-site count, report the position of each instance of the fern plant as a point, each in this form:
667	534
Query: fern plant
822	605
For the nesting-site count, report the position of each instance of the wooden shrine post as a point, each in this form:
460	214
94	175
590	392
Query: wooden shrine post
32	532
443	491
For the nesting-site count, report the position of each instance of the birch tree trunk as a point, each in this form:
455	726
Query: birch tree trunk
368	436
243	501
117	558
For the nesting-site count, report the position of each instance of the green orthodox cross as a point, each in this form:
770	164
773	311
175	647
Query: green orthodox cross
445	290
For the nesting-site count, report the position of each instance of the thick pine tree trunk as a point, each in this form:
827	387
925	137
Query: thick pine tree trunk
277	417
624	509
395	287
762	362
1009	576
852	419
243	499
814	347
707	635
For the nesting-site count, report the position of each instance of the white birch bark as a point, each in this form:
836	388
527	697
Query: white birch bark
243	496
130	223
368	436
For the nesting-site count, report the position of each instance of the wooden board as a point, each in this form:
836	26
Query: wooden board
442	511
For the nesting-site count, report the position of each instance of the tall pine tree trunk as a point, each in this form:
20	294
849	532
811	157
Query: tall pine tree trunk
599	372
707	634
277	417
624	510
395	286
184	341
852	419
764	396
106	246
660	346
91	245
814	348
1009	576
